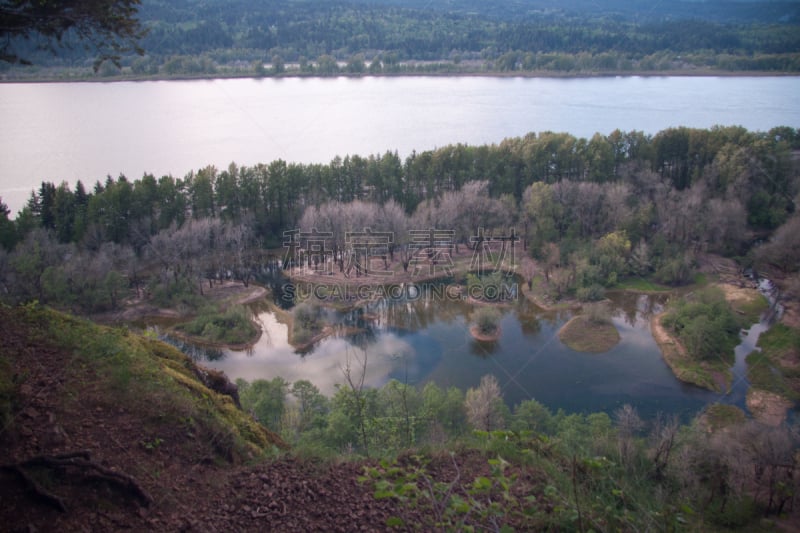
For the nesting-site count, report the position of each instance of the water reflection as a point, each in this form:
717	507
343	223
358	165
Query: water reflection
423	340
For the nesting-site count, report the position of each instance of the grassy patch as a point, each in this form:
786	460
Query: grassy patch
153	380
748	304
780	342
763	375
642	285
719	416
232	326
584	335
776	368
306	323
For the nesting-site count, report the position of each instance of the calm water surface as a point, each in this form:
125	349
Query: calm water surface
71	131
426	340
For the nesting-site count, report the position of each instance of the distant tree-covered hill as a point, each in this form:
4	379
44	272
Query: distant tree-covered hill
641	10
523	35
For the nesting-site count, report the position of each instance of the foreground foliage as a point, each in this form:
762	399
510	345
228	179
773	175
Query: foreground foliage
530	469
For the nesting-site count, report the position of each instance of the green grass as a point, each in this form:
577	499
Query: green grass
749	311
774	368
642	285
763	375
780	341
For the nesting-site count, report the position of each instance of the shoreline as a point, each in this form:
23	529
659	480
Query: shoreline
674	354
682	73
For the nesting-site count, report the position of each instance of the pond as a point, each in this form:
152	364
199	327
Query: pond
416	340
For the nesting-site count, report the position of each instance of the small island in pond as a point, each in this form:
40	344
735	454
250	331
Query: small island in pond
485	324
586	333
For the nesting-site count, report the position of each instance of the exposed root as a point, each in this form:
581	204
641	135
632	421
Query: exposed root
81	461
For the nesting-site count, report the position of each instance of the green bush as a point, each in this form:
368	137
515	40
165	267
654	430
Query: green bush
592	293
677	271
306	323
486	319
233	326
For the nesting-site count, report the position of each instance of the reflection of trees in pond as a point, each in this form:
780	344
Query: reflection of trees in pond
483	349
197	353
636	306
363	338
528	317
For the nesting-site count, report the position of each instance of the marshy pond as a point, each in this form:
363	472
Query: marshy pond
426	338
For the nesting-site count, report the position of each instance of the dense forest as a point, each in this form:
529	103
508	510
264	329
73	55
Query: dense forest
591	211
324	38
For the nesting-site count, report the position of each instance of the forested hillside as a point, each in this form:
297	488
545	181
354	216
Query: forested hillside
639	10
238	37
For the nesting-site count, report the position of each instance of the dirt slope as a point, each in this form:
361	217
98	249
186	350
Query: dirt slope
74	458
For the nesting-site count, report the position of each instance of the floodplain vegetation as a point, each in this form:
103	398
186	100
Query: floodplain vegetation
684	210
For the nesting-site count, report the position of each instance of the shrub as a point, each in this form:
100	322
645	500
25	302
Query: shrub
592	293
486	319
232	326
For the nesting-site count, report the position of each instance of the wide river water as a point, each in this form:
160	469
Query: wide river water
87	131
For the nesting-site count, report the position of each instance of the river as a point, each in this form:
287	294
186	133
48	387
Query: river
87	131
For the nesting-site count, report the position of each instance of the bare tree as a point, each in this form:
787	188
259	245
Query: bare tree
662	442
783	249
628	425
355	378
484	404
394	219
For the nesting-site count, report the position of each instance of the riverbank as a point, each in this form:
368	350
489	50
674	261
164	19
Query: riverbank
90	77
716	377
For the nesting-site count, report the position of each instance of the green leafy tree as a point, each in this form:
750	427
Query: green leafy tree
312	406
8	232
266	400
326	65
706	325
